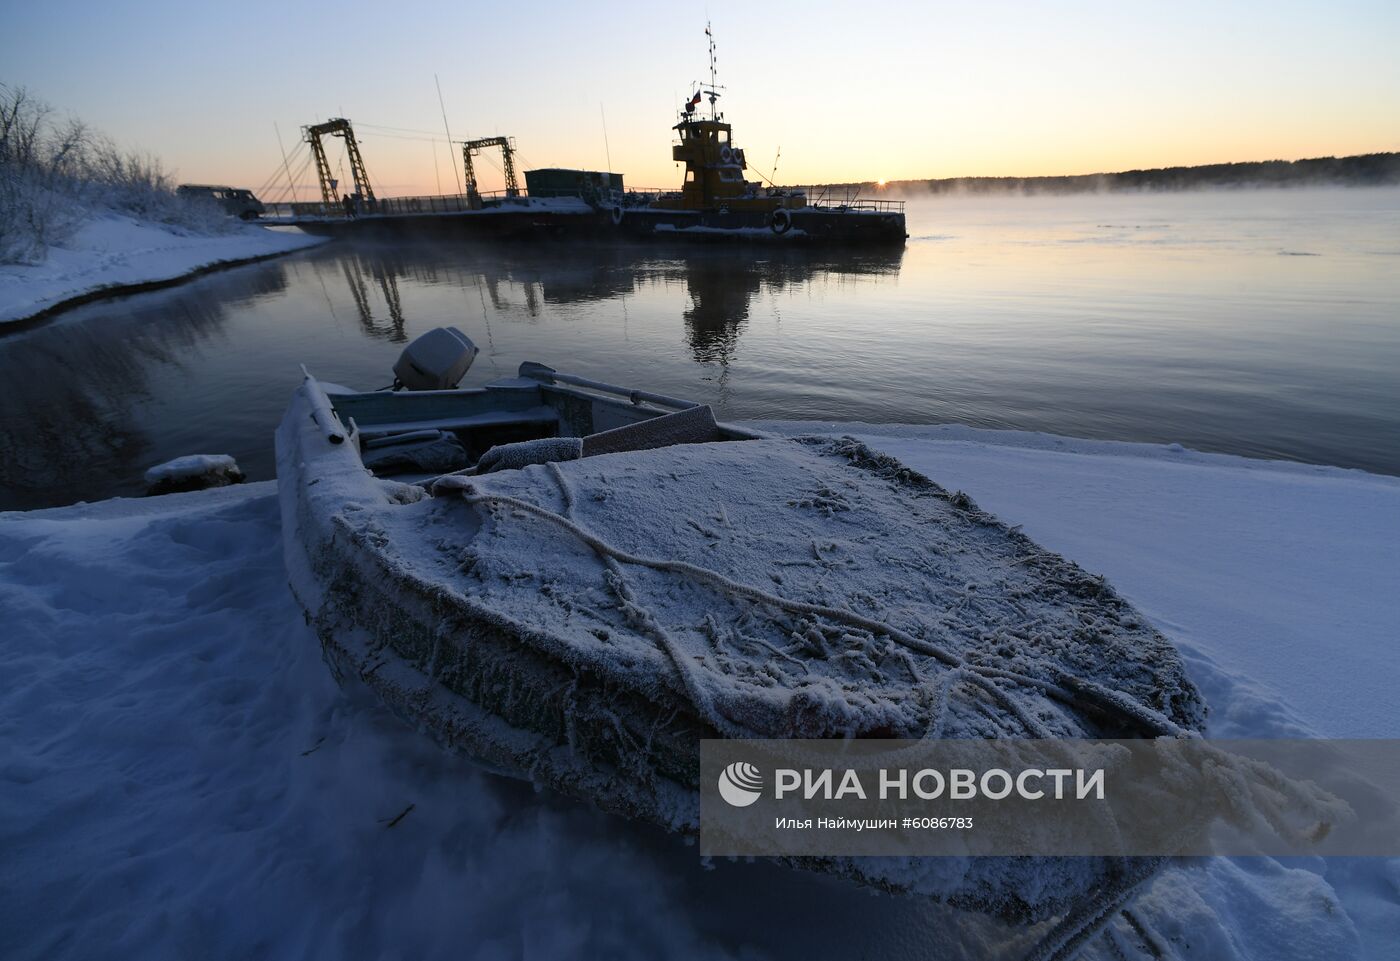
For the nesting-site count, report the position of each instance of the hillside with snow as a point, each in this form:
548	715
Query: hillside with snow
113	252
81	217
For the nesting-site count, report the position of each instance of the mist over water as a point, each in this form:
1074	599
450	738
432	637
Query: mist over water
1256	322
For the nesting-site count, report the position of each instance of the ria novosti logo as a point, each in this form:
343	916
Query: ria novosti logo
740	784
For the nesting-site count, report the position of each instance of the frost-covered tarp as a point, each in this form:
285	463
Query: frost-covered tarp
835	528
623	607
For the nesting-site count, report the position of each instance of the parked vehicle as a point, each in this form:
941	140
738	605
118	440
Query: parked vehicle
236	201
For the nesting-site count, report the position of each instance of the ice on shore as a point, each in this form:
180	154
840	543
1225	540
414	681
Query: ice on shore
193	472
114	250
181	776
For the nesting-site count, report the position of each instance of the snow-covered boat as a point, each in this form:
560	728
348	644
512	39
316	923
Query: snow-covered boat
616	576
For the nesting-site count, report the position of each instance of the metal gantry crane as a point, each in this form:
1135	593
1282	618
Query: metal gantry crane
337	127
507	145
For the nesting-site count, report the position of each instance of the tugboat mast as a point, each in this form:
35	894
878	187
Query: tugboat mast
713	91
725	201
713	96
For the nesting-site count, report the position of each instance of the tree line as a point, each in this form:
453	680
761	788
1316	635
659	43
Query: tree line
1362	170
56	174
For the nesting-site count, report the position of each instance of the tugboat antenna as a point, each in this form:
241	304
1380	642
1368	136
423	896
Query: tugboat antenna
714	88
713	95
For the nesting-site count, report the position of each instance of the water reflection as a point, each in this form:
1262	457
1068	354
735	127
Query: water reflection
722	286
719	308
103	393
382	272
997	314
72	424
720	283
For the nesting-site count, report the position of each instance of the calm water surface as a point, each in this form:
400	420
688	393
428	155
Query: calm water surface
1264	323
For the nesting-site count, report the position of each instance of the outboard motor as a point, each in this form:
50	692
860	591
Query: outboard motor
436	360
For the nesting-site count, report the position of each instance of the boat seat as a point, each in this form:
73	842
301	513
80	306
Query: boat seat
419	451
694	425
543	417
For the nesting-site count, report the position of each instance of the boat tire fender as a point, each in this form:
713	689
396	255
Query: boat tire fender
616	214
782	221
726	154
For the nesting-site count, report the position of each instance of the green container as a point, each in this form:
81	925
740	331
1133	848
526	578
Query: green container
591	185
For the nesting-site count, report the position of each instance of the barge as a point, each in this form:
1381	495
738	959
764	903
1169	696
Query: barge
716	201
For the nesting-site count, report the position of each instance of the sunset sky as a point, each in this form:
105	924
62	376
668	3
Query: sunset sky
849	91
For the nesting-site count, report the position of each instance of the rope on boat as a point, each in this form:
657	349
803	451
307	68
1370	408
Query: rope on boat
634	608
1083	923
1078	926
1068	935
982	678
1239	777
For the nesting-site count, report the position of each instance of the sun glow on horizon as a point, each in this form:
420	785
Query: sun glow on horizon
956	91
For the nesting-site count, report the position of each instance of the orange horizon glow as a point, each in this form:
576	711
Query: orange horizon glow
667	176
923	91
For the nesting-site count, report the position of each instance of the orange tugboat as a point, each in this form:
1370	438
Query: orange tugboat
717	201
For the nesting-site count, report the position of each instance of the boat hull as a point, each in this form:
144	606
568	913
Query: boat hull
443	637
491	224
805	225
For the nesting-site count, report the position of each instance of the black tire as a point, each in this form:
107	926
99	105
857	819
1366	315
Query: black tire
781	221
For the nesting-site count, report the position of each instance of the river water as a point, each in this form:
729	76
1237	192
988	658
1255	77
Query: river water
1263	323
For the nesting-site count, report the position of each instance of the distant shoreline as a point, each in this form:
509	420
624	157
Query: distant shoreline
1361	170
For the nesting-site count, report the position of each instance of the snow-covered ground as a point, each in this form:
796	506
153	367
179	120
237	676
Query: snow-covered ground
113	250
180	776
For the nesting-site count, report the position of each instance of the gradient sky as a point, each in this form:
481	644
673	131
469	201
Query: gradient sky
849	91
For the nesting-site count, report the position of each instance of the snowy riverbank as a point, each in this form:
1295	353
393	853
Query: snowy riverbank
112	252
183	777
